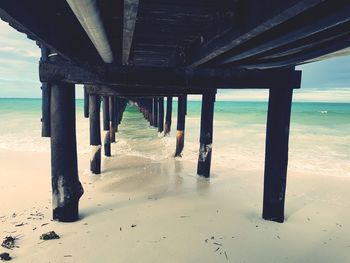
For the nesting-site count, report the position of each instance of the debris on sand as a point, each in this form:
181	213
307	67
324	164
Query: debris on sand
9	242
133	225
49	235
5	257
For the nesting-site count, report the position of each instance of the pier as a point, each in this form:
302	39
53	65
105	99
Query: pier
156	53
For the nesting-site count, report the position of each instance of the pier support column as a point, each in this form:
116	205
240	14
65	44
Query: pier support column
66	188
95	133
112	116
181	116
161	114
276	153
106	126
169	108
206	134
45	107
45	102
155	112
86	104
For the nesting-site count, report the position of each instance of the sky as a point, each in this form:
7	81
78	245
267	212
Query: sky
325	81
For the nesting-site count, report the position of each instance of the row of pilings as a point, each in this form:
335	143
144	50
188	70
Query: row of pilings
59	123
112	108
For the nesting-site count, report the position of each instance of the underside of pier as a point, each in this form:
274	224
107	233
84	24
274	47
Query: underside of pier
145	51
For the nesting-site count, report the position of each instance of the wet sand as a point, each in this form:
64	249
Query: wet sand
141	210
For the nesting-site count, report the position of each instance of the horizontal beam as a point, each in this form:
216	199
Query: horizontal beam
141	91
134	77
130	16
252	21
321	27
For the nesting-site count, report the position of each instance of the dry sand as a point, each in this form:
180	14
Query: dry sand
144	211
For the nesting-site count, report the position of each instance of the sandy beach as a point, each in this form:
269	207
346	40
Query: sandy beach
158	211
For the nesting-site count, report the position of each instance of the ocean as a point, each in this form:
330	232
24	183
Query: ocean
319	136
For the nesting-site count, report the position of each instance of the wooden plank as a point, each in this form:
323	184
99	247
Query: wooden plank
209	49
130	17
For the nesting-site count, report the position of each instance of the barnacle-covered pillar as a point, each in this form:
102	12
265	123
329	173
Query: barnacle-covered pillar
206	134
95	133
181	116
66	188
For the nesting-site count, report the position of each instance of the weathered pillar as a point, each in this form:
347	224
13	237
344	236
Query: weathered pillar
107	139
181	116
169	108
117	106
151	121
66	188
45	102
276	153
161	114
112	116
155	112
86	104
95	133
45	107
206	134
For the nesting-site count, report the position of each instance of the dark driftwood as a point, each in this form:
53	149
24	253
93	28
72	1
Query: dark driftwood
276	151
95	133
106	118
206	134
181	116
169	108
161	114
66	188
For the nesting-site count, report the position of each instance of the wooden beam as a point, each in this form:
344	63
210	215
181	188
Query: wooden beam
337	14
254	22
305	54
130	17
136	78
276	154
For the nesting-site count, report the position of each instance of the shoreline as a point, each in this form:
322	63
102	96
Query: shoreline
175	214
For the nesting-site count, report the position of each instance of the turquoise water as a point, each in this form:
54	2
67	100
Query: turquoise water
319	141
